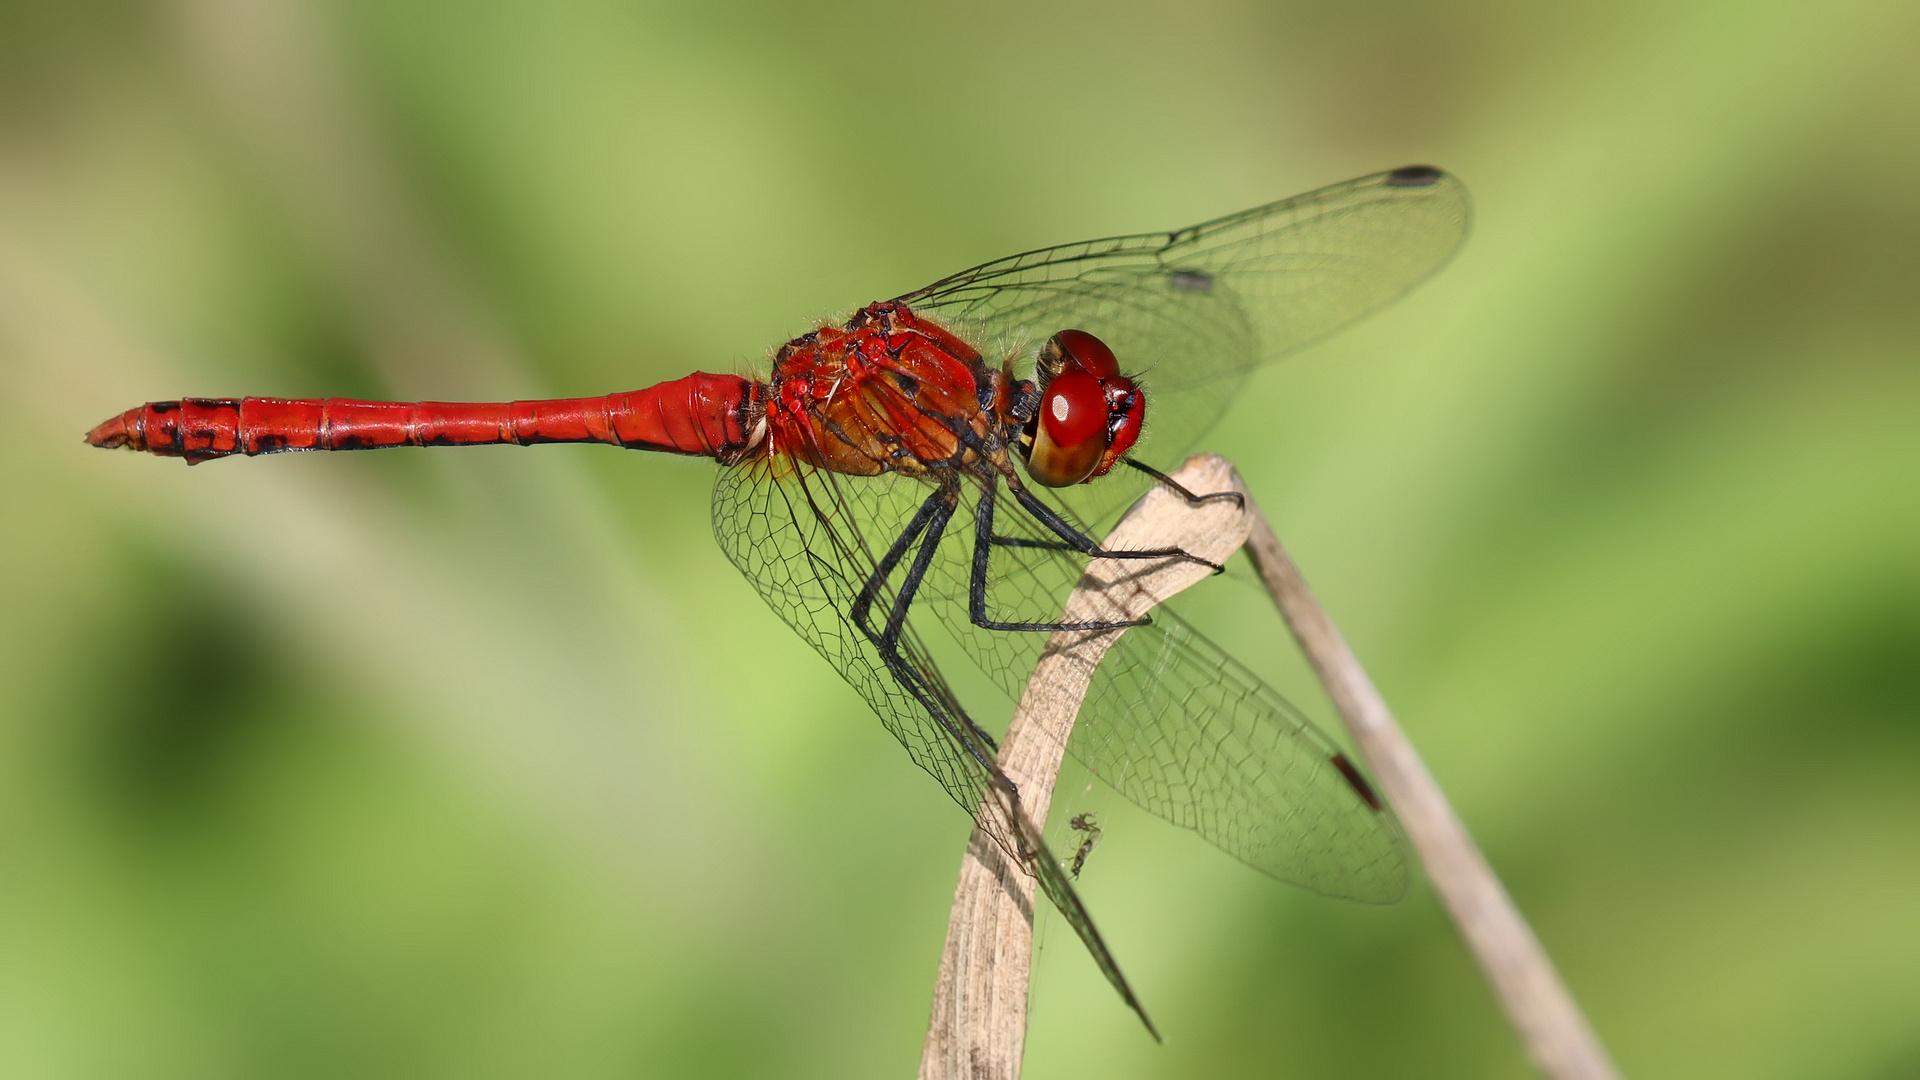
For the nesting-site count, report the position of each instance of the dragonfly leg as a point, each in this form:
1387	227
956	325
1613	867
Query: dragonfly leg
1087	545
863	602
929	524
1180	489
930	520
983	544
942	504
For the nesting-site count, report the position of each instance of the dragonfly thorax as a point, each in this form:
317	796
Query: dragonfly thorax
888	391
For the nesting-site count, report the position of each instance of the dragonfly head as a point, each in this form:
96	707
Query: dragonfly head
1088	414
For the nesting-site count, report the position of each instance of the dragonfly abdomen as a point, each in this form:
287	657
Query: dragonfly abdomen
702	414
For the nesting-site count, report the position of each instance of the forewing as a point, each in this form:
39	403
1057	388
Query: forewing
1194	309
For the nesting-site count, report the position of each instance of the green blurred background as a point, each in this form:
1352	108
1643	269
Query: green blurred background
486	763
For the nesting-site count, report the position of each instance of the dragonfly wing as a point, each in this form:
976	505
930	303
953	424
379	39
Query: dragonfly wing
1193	310
1185	731
809	541
1180	728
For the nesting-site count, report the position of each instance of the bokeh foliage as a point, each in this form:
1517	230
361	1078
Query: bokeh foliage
486	763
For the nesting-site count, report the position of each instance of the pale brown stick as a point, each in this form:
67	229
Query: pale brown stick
979	1021
1555	1033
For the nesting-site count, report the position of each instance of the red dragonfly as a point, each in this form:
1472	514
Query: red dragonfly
996	397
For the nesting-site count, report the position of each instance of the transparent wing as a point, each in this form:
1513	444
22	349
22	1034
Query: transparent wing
809	540
1194	309
1183	730
1177	726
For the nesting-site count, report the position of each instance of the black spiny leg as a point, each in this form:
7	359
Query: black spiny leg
1087	545
928	525
983	544
1179	489
878	579
944	502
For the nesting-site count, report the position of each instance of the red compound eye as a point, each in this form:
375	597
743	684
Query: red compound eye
1074	409
1089	414
1070	437
1086	352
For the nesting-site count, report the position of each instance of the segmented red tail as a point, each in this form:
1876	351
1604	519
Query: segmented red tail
703	414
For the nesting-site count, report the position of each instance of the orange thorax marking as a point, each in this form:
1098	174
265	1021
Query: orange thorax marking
885	392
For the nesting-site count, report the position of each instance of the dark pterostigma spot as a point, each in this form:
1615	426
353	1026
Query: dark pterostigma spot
1190	281
1356	781
1413	176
